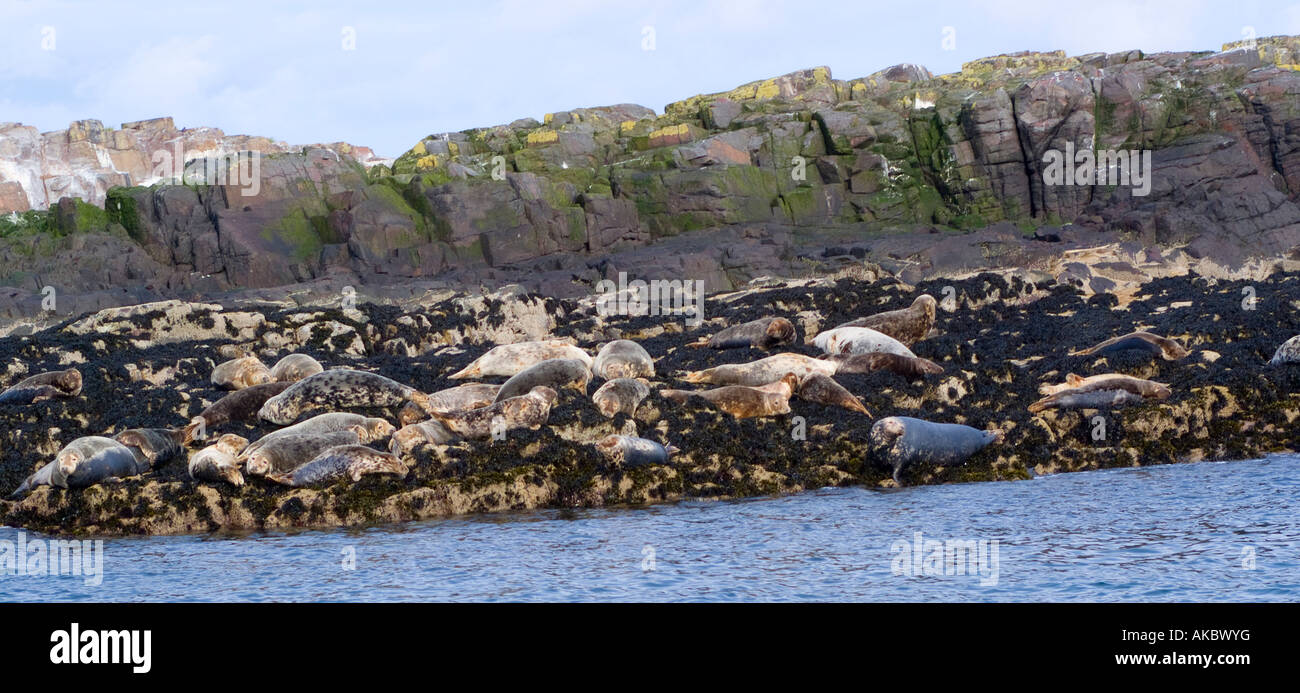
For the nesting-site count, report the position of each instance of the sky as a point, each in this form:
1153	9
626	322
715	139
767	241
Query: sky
386	74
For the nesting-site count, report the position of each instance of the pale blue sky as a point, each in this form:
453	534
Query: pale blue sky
279	68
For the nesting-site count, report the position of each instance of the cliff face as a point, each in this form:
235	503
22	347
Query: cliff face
769	178
38	169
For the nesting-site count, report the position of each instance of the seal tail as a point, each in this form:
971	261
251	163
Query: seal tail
1041	404
698	344
679	396
22	490
694	376
467	372
672	449
856	404
190	432
422	401
284	479
928	366
999	436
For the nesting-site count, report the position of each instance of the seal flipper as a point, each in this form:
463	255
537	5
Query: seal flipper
189	433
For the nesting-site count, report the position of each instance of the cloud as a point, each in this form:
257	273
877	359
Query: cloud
280	70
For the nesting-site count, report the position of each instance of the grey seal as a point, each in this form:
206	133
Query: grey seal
902	440
341	462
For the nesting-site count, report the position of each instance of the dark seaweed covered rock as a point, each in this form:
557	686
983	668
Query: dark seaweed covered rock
998	337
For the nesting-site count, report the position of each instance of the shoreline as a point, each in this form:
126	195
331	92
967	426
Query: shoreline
1005	336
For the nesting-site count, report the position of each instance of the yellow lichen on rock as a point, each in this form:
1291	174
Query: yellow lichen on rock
537	137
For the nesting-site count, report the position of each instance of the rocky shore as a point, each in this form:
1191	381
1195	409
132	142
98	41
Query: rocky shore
998	336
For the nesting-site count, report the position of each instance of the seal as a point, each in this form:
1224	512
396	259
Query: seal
908	325
1145	342
240	405
906	366
764	333
553	373
43	386
216	463
623	358
341	462
295	367
762	371
621	395
467	396
339	389
822	389
508	359
409	437
84	462
153	446
901	440
240	373
1289	352
744	401
859	340
527	411
376	428
287	453
630	452
1106	391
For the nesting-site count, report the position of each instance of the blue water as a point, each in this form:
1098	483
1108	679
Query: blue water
1210	531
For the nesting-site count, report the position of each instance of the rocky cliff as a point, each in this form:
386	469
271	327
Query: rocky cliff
924	175
85	160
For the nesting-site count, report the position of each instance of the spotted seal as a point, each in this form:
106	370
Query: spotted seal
901	440
240	405
1289	352
764	333
630	452
556	374
341	462
1150	344
286	453
411	436
623	358
508	359
295	367
153	446
526	411
906	366
216	463
376	428
43	386
621	395
339	389
823	389
84	462
467	396
762	371
907	325
859	340
240	373
1106	391
744	401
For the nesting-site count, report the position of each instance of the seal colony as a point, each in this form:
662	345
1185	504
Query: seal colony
385	436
